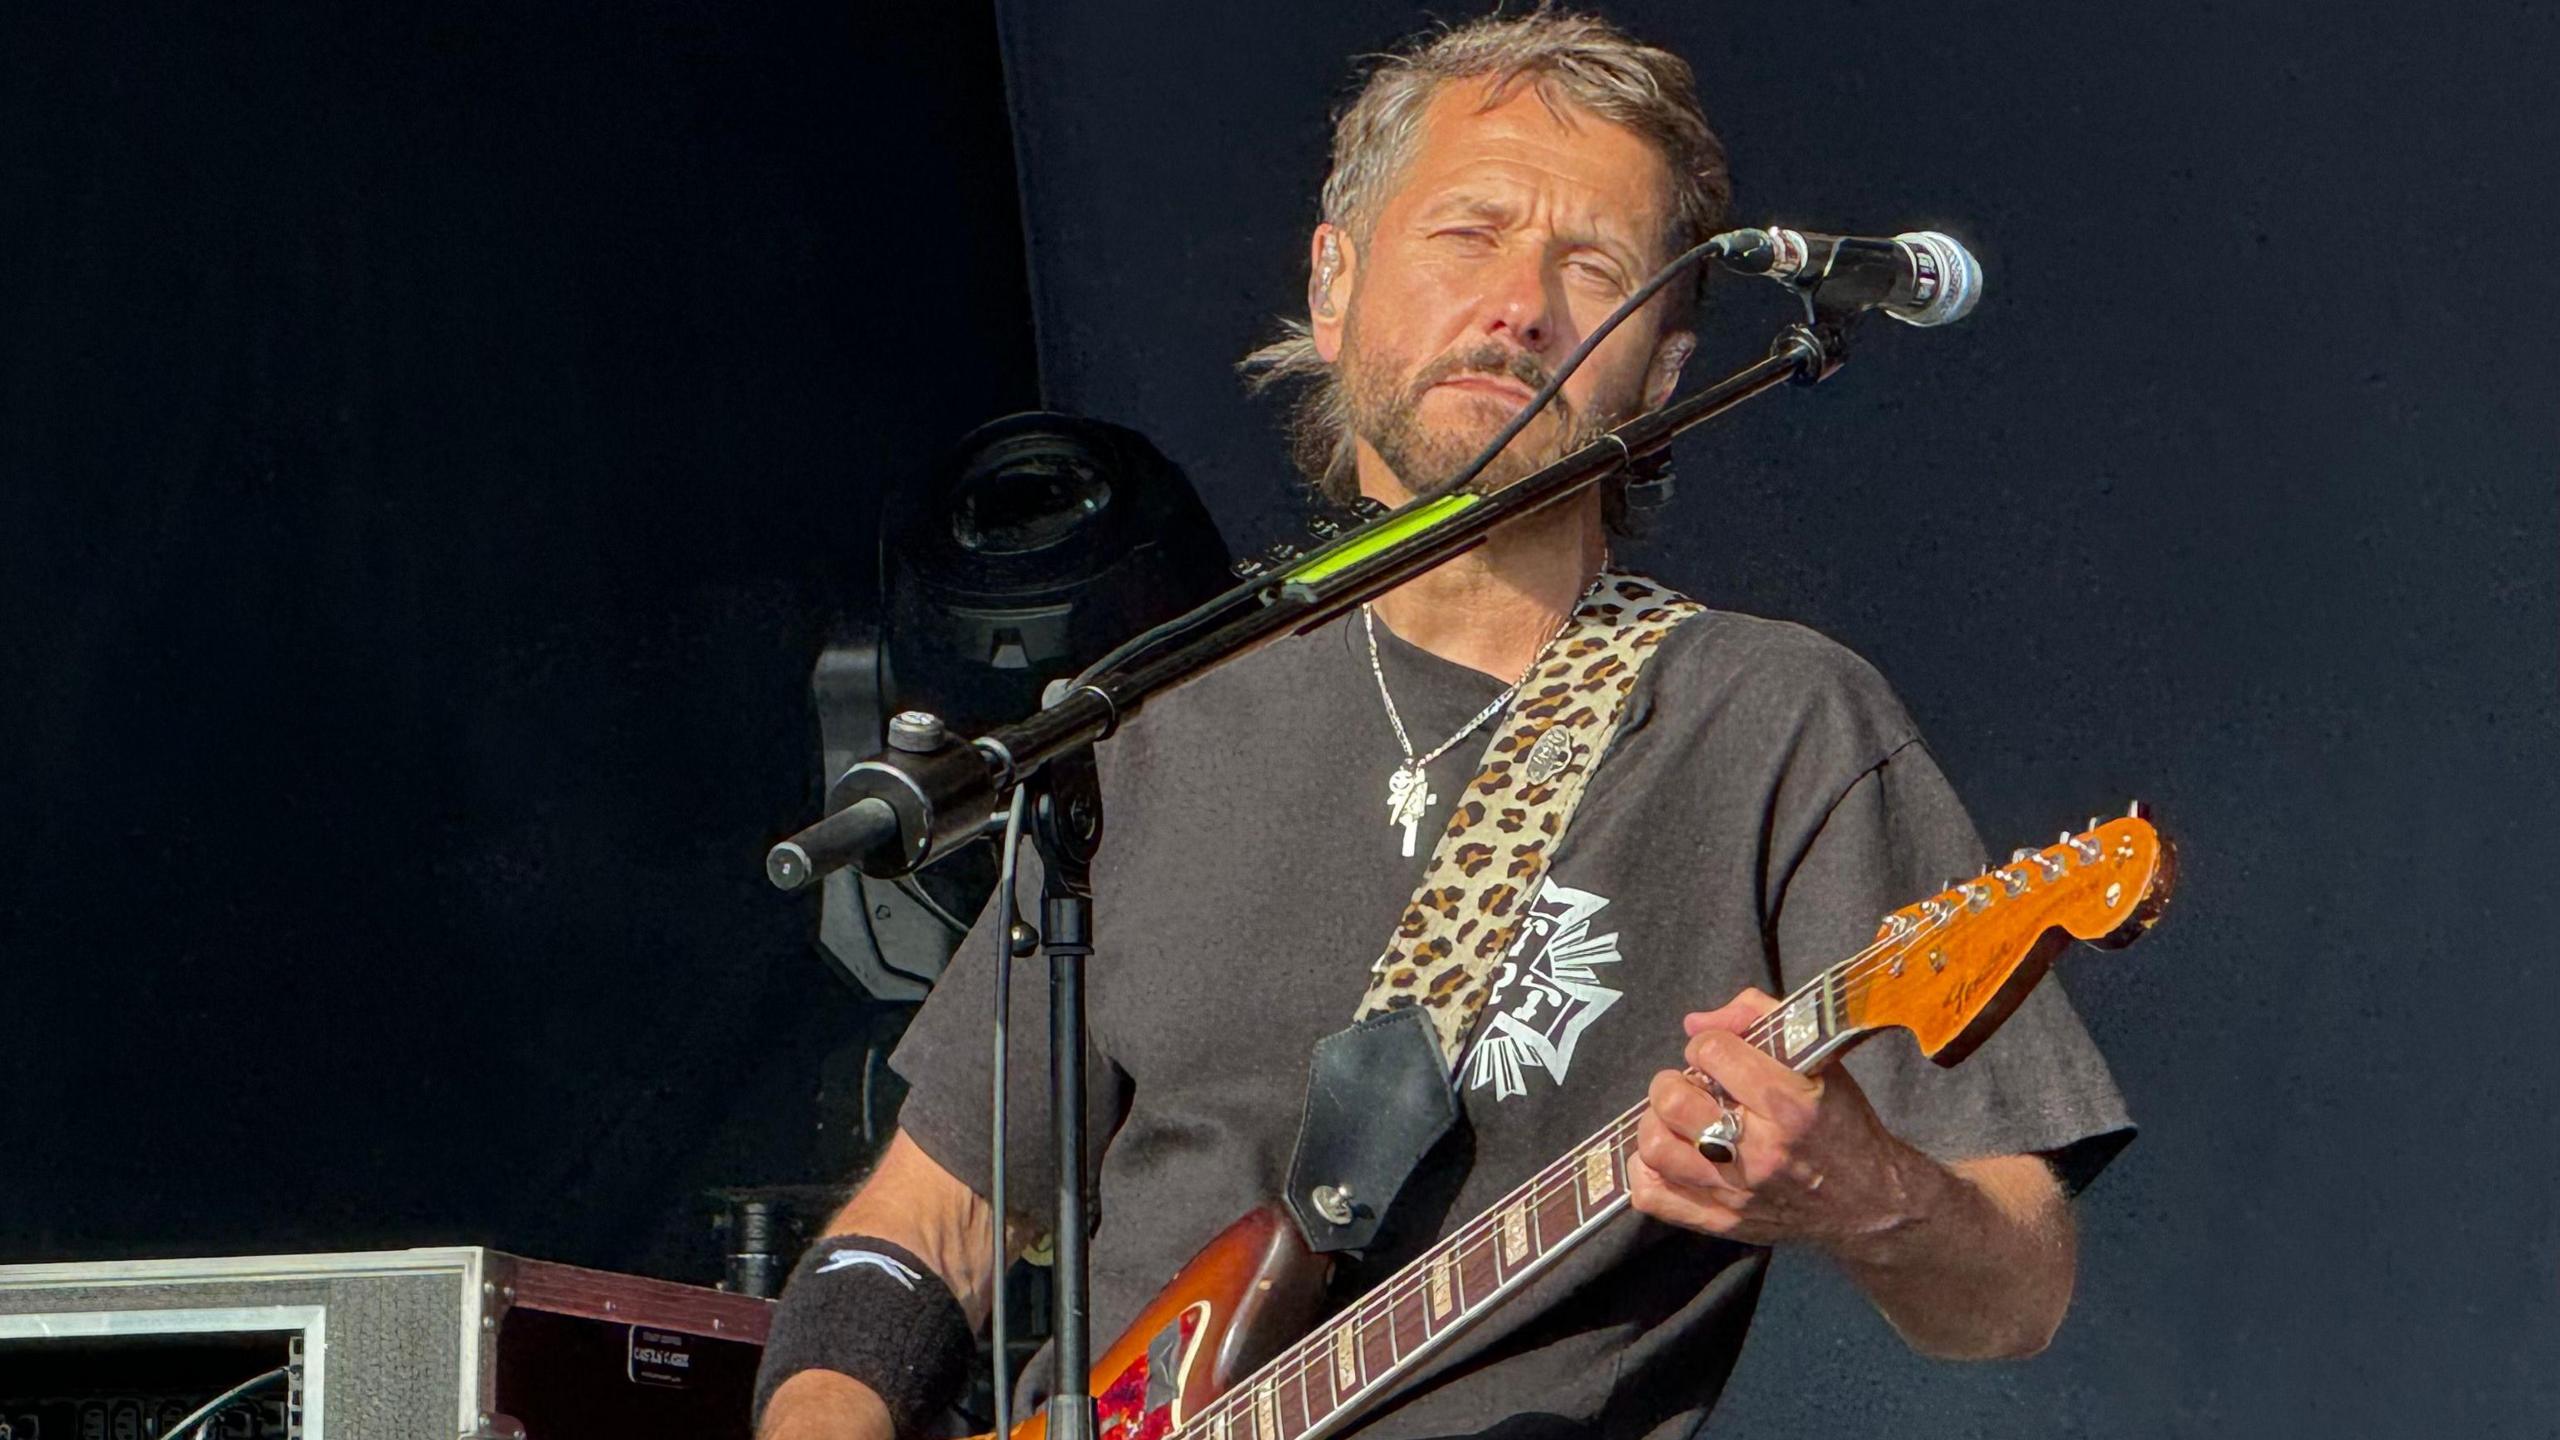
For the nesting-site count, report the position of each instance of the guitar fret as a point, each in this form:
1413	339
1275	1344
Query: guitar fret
1331	1389
1312	1370
1599	1178
1799	1027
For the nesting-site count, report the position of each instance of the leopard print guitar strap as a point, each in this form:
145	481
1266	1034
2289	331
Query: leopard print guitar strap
1489	862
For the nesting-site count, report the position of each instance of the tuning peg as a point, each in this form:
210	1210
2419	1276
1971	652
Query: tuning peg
2063	839
1281	552
2133	811
1248	567
2094	823
1324	527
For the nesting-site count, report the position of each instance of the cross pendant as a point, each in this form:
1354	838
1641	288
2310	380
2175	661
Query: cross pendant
1409	801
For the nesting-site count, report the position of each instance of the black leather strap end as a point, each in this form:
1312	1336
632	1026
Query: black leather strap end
1378	1099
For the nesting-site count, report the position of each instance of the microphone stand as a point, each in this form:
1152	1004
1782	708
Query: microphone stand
929	794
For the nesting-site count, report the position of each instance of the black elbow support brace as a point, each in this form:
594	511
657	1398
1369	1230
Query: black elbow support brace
860	1306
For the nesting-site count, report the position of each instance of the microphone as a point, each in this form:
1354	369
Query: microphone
1920	278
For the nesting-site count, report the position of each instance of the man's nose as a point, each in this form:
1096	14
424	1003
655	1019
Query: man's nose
1520	304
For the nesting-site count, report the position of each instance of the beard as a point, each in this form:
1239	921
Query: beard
1387	412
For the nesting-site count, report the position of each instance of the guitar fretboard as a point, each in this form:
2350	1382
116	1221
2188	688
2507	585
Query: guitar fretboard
1917	961
1323	1379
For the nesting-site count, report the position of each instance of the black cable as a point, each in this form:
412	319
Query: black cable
1148	638
205	1411
1008	914
1713	247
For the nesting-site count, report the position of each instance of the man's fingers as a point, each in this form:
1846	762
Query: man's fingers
1667	1135
1753	1076
1692	1209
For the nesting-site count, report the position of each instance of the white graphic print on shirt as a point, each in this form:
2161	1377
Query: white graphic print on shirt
1545	993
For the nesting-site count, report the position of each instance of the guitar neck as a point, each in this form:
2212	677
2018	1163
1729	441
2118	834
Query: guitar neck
1946	969
1325	1380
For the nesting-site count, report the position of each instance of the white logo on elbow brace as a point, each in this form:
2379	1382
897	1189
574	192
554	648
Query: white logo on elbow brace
885	1264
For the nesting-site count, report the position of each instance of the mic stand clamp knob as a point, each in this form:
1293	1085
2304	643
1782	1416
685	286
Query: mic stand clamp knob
917	732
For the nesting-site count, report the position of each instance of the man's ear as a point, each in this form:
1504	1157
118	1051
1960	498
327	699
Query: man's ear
1332	260
1670	354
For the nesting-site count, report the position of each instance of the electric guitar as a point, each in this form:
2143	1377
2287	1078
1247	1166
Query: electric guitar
1224	1353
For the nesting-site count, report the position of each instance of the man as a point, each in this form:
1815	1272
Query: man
1494	194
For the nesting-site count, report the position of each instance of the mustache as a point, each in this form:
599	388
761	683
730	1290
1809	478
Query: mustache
1494	360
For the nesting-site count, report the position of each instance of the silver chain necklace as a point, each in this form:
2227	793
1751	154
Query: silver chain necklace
1408	790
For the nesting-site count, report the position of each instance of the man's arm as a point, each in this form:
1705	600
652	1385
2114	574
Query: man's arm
1985	1271
914	1203
1967	1261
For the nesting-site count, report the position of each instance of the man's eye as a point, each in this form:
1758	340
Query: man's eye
1597	275
1469	238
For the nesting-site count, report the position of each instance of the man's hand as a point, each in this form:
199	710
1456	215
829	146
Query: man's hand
1815	1166
1970	1261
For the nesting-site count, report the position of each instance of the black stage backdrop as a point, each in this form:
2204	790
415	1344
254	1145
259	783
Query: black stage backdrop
2237	494
434	439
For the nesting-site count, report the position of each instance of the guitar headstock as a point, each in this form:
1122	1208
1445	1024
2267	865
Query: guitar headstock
1951	968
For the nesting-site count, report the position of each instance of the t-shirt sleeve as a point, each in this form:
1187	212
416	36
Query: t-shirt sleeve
947	1058
2038	1085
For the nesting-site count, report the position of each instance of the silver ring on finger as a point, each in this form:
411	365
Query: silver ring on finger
1721	1142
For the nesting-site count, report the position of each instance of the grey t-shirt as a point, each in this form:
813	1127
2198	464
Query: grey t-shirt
1766	801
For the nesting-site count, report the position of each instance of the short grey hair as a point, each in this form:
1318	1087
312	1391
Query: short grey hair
1581	60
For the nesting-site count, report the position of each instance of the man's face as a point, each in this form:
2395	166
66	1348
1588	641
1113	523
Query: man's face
1510	234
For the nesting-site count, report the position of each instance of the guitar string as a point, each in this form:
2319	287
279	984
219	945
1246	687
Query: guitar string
1858	973
1313	1351
1849	977
1309	1353
1305	1355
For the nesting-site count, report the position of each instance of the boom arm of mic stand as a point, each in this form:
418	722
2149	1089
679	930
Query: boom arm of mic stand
939	800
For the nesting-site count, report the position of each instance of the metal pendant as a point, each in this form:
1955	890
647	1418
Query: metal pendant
1548	757
1409	800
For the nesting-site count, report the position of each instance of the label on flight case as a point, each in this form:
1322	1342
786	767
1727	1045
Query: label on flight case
660	1357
